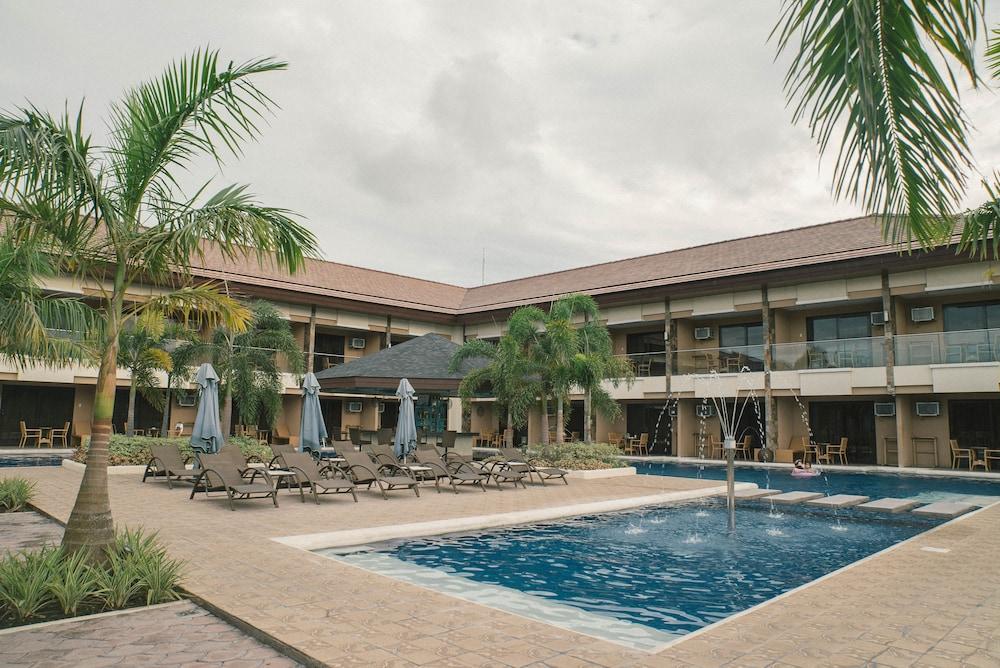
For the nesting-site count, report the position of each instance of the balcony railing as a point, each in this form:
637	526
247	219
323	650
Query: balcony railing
731	359
326	360
833	354
974	345
648	364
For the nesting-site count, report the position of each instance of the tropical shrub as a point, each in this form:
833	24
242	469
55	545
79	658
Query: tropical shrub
577	456
52	583
134	450
15	494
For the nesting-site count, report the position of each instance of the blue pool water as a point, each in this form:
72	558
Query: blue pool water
31	460
672	568
875	485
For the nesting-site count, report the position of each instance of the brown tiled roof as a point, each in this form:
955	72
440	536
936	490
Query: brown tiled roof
800	247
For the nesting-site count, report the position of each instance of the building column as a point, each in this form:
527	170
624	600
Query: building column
311	341
669	345
770	405
889	331
904	431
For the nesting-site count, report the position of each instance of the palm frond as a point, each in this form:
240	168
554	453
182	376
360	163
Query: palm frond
993	53
867	71
203	305
981	226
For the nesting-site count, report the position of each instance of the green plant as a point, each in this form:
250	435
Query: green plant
577	456
73	582
15	494
25	580
134	450
138	568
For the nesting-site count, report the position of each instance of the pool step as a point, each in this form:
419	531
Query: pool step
889	505
794	497
755	493
838	501
946	509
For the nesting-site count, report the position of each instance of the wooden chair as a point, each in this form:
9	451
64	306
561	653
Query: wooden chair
60	435
642	444
991	456
28	434
958	453
743	447
838	450
810	450
717	447
616	439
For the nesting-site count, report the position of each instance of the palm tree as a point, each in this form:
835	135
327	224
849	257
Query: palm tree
185	348
120	216
141	352
881	74
249	365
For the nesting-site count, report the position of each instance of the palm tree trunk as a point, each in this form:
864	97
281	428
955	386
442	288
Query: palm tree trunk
227	414
130	420
586	417
509	438
545	419
165	422
560	420
90	526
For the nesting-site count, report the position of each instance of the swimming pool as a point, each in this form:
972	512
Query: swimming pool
31	460
876	485
645	577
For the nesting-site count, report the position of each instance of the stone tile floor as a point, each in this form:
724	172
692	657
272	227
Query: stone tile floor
176	634
905	607
27	529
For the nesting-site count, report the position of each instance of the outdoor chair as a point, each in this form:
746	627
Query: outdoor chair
516	459
641	444
616	439
319	478
958	453
60	435
165	462
277	450
990	455
455	474
717	447
810	451
743	447
360	468
218	473
28	434
838	450
382	454
492	468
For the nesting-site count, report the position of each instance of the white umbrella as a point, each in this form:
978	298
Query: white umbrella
406	426
206	436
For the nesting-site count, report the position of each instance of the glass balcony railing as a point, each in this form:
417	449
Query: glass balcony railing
732	359
974	345
323	361
833	354
648	364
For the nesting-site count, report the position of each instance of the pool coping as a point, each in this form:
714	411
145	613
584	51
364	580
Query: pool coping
360	537
886	470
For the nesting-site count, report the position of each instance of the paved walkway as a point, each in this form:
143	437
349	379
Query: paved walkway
907	607
172	635
27	529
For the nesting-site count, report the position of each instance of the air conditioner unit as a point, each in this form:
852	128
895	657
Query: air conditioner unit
885	409
359	343
702	333
187	399
879	318
381	407
928	408
704	410
353	406
922	314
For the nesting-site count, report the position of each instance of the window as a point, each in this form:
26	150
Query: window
741	347
842	341
833	327
966	339
646	349
741	335
962	317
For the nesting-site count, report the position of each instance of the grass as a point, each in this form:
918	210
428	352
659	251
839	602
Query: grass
46	584
15	494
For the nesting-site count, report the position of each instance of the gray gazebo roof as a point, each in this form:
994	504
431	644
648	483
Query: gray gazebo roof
424	360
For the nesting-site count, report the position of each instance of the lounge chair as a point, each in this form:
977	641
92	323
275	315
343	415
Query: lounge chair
516	459
494	468
219	473
455	474
360	468
310	473
277	450
165	462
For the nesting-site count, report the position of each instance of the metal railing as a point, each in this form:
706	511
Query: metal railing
973	345
728	359
832	354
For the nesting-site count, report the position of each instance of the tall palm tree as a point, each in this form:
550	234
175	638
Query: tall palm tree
882	76
119	214
249	365
141	352
185	348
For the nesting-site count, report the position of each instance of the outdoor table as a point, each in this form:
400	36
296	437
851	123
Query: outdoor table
417	470
281	474
976	460
44	438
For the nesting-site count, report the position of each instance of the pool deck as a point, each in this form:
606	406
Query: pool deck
907	606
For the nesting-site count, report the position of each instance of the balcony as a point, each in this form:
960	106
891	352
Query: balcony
732	359
323	361
963	347
834	354
648	364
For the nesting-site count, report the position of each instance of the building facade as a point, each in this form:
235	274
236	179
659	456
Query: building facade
835	332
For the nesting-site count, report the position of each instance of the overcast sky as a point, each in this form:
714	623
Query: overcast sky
413	135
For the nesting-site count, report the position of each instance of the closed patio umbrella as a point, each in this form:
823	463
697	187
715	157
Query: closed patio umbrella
406	426
206	436
312	429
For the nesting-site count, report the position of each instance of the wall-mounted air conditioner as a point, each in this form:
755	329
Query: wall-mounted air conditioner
353	406
922	314
358	343
704	410
187	399
878	318
702	333
928	408
885	409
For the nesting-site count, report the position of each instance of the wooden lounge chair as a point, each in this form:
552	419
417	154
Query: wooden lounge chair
360	468
455	474
516	459
165	462
958	453
319	478
492	468
218	473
